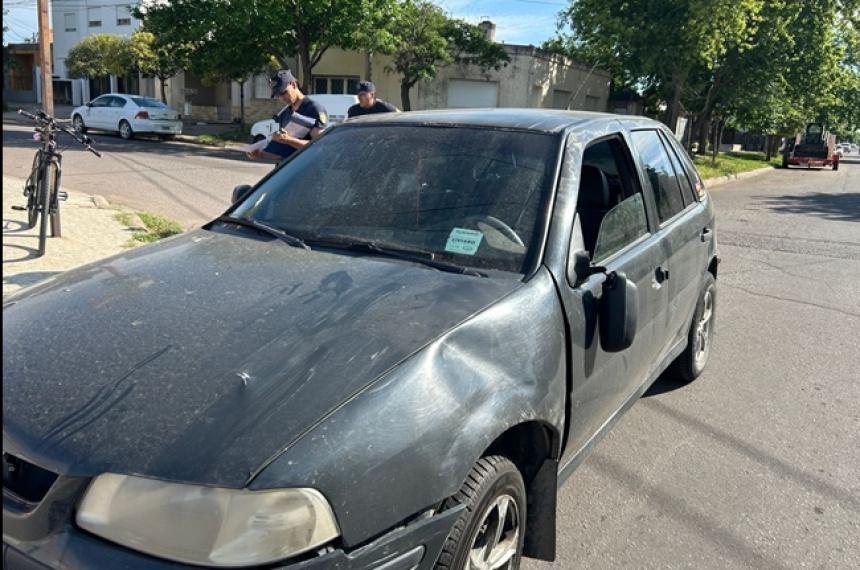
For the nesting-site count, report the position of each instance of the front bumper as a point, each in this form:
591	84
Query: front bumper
45	538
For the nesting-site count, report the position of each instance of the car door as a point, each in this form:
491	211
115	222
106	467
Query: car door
116	111
613	228
97	112
681	229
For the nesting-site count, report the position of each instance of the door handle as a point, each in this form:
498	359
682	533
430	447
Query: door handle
707	234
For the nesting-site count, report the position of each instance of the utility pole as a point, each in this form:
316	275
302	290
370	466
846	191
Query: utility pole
45	38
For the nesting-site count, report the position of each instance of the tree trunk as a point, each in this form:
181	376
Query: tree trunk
241	104
704	133
404	95
163	82
768	144
305	60
674	109
370	66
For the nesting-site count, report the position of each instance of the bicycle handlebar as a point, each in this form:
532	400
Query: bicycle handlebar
49	121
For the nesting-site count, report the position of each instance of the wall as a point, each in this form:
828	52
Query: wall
81	12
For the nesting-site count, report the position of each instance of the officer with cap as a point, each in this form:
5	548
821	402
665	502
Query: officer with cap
368	104
301	121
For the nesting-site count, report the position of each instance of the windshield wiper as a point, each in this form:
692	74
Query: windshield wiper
427	258
266	228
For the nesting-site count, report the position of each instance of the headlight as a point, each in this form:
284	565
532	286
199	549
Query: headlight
206	525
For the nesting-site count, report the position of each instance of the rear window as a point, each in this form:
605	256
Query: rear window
148	102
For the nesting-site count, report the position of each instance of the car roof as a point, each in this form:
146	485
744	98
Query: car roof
542	120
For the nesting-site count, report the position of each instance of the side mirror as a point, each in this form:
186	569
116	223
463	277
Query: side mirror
241	192
275	117
89	103
619	312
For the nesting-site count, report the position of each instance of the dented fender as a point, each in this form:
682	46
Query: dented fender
406	442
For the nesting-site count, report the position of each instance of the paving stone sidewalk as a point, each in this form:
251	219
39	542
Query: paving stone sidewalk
90	232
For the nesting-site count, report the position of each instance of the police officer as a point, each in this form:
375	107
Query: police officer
300	122
368	104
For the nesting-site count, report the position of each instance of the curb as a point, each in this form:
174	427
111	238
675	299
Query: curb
720	180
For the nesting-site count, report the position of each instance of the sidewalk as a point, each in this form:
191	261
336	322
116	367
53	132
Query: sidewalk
90	232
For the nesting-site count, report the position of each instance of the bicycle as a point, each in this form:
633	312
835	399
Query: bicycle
42	187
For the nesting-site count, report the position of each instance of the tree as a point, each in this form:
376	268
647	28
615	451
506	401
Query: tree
100	55
425	39
309	28
159	59
660	44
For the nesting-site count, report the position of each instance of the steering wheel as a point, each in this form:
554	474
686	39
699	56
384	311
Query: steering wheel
499	226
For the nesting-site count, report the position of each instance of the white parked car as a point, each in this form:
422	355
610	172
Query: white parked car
128	115
335	105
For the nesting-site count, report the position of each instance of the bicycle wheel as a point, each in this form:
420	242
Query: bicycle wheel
44	206
31	190
54	201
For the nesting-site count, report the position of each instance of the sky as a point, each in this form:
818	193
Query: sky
517	21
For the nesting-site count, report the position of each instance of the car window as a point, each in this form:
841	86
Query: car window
102	101
661	175
622	225
148	102
117	102
607	180
680	173
470	196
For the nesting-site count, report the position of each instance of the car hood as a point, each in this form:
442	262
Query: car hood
199	358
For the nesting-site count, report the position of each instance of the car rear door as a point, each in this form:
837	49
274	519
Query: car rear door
117	109
682	228
613	226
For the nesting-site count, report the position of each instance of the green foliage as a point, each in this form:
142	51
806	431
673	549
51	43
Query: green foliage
158	58
157	227
425	39
100	55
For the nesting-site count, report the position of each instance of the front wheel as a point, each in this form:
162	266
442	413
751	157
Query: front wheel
46	186
78	124
490	532
125	130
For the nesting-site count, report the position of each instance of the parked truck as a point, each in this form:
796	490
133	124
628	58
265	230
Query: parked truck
814	148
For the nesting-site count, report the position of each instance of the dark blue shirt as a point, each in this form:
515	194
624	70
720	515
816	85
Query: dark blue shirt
310	115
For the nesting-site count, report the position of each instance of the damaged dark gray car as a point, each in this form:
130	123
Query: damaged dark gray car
387	354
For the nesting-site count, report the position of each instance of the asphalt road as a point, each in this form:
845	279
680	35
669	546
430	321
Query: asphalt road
756	464
188	183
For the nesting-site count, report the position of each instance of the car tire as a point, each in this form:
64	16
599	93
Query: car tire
493	486
78	124
691	363
125	130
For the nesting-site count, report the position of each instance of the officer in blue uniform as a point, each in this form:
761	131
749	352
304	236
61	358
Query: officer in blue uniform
368	104
300	122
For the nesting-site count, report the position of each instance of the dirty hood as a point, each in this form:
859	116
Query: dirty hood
199	358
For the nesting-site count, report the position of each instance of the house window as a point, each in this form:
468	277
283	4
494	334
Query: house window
335	85
123	17
123	21
261	87
94	19
70	23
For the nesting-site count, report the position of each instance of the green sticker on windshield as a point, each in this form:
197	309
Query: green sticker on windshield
464	241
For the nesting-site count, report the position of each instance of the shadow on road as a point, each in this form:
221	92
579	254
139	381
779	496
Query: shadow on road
665	383
843	206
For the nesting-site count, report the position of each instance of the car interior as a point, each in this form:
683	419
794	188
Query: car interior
606	179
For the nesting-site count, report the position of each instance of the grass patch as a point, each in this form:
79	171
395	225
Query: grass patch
156	226
732	163
231	136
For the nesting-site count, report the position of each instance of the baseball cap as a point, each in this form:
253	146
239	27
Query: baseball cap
280	80
365	87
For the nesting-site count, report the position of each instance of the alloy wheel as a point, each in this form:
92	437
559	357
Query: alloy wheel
495	544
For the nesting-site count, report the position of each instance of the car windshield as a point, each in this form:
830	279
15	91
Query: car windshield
147	102
468	196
